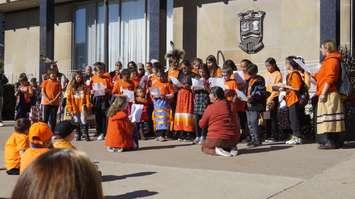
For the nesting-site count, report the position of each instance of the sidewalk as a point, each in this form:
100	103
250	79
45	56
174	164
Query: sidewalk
179	170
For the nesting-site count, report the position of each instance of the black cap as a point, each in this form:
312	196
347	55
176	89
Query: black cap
64	128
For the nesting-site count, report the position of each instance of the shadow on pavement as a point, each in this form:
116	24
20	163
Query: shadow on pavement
262	149
108	178
134	194
163	147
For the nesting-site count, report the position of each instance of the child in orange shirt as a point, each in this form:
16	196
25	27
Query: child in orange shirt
40	138
119	135
124	83
135	78
162	114
101	90
78	104
15	146
51	91
142	126
64	134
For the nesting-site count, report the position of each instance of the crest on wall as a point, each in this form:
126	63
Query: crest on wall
251	31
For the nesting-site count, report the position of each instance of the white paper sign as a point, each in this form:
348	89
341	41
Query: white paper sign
143	81
99	89
216	82
129	94
155	92
176	82
136	112
241	95
198	84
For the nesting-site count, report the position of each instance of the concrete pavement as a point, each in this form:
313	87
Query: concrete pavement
180	170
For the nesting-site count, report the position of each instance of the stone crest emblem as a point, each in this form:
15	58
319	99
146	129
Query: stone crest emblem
251	31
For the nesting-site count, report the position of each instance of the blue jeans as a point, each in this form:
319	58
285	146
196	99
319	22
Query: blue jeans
253	124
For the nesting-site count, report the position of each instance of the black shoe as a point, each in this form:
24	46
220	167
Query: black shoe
327	146
78	138
250	143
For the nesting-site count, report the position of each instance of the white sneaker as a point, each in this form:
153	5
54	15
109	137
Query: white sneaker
201	140
1	124
118	150
101	137
161	139
234	152
197	140
222	152
109	149
294	140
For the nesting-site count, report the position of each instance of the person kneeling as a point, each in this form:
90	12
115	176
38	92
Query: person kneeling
119	134
223	132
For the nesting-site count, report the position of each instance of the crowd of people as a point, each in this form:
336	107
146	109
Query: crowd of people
198	102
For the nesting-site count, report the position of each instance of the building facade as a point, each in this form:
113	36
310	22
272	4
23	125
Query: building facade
123	30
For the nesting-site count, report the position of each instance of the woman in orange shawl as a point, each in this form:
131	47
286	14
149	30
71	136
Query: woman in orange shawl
119	134
330	109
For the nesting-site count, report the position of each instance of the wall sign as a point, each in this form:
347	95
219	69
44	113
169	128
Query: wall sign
251	31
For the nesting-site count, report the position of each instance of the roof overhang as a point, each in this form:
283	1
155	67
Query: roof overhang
16	5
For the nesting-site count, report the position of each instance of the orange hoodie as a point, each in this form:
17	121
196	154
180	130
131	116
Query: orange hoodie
77	99
329	72
119	131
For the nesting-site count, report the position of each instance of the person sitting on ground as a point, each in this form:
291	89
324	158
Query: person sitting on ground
119	134
15	146
223	132
64	174
40	139
63	135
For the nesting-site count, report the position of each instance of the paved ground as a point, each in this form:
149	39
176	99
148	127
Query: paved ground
175	170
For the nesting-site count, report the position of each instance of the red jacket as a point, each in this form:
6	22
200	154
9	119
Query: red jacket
221	122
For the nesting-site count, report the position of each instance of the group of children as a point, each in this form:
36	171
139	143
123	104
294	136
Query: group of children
130	104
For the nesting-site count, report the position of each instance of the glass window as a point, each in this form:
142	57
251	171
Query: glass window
80	37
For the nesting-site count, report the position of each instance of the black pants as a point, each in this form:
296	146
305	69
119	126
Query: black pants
101	121
161	133
295	116
199	131
14	171
272	129
50	115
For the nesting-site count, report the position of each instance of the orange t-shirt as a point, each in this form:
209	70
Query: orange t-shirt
52	88
165	88
294	79
121	84
62	144
173	73
217	73
272	79
16	143
329	73
31	155
153	79
77	99
231	85
136	81
98	83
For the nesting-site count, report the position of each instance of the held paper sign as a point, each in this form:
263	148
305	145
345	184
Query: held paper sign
216	82
198	84
129	94
136	112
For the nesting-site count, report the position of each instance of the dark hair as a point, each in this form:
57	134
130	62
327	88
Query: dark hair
33	80
132	63
212	59
118	63
295	66
156	65
126	72
205	68
230	63
218	92
99	66
149	63
198	60
59	173
272	62
74	84
252	69
186	63
22	125
228	69
50	72
247	61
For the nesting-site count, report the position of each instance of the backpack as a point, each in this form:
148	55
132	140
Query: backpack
343	84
